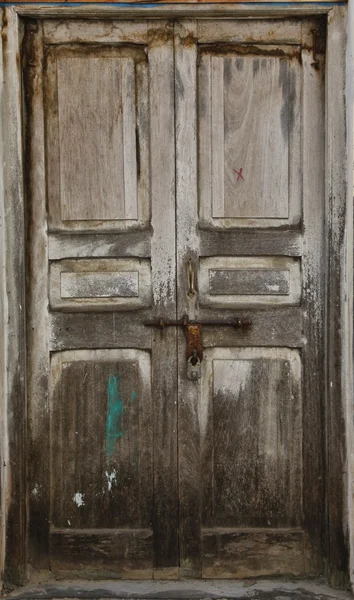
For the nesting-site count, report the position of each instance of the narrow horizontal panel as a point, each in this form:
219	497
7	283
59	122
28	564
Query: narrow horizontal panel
272	327
105	330
99	32
266	31
243	243
100	285
243	282
106	284
247	553
105	553
137	244
249	281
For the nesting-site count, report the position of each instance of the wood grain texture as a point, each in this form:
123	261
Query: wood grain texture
243	553
13	466
136	244
101	439
104	330
314	290
252	411
92	182
187	257
221	278
243	282
101	553
267	30
248	149
100	284
163	265
242	243
82	31
89	139
339	349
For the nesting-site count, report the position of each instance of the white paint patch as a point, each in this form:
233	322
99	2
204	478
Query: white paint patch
69	522
111	478
272	287
35	490
79	499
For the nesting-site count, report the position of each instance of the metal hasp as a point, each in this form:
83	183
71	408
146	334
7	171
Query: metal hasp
236	323
194	350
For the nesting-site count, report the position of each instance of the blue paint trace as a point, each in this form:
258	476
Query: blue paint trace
134	396
114	414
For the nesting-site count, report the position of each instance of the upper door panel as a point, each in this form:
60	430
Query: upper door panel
97	136
249	123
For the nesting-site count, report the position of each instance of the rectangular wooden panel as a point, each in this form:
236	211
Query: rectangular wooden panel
273	282
101	439
106	284
227	282
95	132
249	136
100	285
253	413
245	553
97	144
101	553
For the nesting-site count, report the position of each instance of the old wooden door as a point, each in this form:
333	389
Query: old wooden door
175	169
250	219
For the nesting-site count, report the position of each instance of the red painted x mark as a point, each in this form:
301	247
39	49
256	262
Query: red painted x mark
239	174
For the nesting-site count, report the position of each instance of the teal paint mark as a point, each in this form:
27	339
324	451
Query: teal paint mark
134	396
114	413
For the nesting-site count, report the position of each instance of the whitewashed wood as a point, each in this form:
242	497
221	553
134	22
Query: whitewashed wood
120	284
13	339
91	139
217	136
204	137
136	244
129	138
187	302
99	201
258	108
101	285
249	31
273	282
99	32
163	266
210	297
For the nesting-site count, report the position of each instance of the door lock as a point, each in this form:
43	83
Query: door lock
194	367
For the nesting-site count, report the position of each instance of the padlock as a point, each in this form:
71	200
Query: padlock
193	368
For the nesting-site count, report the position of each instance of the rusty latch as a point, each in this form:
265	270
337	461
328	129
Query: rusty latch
194	351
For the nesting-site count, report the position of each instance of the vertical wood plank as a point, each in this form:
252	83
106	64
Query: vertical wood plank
129	138
217	135
339	348
204	136
314	269
14	474
164	377
187	250
37	309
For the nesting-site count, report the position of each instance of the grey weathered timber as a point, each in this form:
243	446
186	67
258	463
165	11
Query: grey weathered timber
339	351
163	264
187	257
94	430
97	342
245	426
13	465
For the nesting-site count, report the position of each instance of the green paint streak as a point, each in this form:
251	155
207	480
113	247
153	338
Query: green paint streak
115	411
134	396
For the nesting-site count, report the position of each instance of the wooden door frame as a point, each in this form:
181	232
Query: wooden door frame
339	233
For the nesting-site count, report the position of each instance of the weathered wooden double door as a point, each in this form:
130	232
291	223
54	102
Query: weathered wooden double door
175	170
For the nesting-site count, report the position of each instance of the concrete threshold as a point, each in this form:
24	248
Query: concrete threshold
183	590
